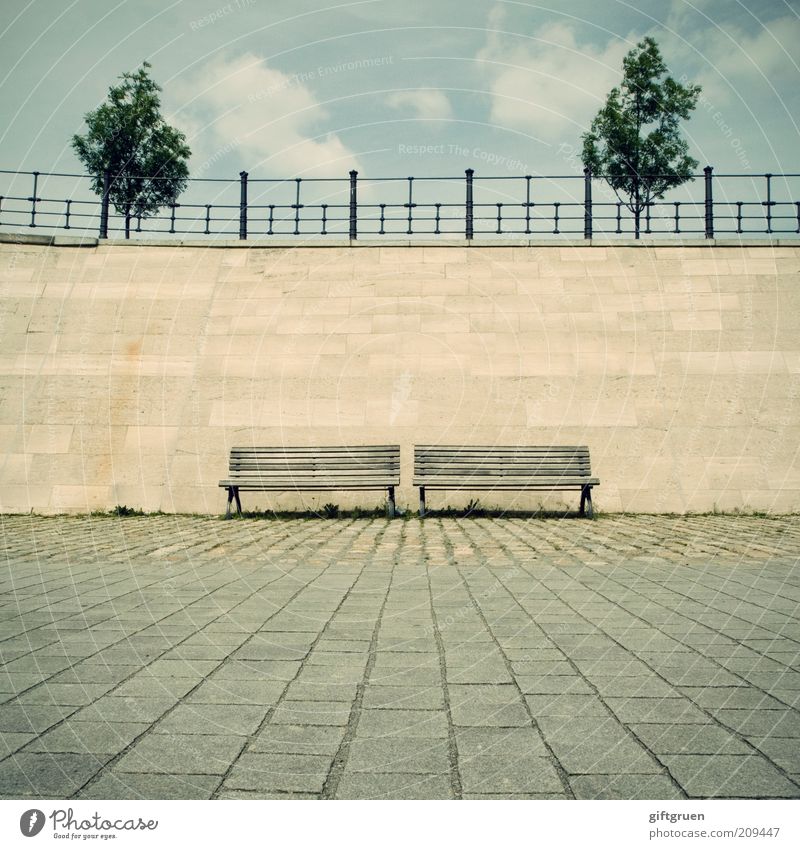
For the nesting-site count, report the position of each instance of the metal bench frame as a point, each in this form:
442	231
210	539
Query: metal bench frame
312	469
537	467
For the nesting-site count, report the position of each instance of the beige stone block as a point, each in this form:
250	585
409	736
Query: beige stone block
647	500
758	362
85	469
300	325
30	344
792	360
445	255
395	323
575	413
565	303
738	472
426	305
772	501
15	468
614	363
325	307
139	496
392	412
23	498
373	306
179	345
339	270
527	269
506	365
592	254
469	270
691	302
90	439
444	362
468	304
504	323
47	439
492	288
319	366
358	287
446	323
752	265
400	271
359	324
706	362
699	320
188	470
135	469
147	440
401	287
246	412
678	285
77	498
643	322
141	366
715	266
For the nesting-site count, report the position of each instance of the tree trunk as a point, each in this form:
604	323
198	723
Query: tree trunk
128	221
637	204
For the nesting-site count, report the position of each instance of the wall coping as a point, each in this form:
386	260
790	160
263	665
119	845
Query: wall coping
331	242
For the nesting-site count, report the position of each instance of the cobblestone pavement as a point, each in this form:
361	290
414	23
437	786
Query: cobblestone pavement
177	657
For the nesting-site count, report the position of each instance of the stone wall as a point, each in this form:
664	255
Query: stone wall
128	371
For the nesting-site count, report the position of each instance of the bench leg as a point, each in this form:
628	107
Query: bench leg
422	501
391	505
230	499
238	503
586	501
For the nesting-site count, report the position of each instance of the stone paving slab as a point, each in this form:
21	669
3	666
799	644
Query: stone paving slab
185	657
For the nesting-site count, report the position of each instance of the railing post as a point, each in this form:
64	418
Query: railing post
708	170
587	203
769	202
103	234
354	204
243	205
470	208
34	198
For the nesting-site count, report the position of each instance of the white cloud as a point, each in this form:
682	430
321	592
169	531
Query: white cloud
549	85
273	119
427	103
735	59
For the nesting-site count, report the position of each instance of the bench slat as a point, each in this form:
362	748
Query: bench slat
505	449
347	450
507	482
297	483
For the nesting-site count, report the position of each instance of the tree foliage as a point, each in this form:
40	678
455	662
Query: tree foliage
634	141
145	156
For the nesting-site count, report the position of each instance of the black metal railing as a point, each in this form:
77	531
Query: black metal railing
355	207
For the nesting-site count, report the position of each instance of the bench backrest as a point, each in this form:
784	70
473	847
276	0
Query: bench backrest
464	461
358	464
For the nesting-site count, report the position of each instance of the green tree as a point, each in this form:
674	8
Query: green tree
634	141
145	156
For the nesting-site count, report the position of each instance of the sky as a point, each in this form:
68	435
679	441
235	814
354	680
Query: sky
288	88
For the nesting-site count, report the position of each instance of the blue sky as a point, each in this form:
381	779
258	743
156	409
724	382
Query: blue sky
423	87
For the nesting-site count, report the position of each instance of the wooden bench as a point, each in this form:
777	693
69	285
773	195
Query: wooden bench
341	467
463	467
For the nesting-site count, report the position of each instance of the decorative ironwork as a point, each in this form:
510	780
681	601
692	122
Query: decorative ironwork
465	207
